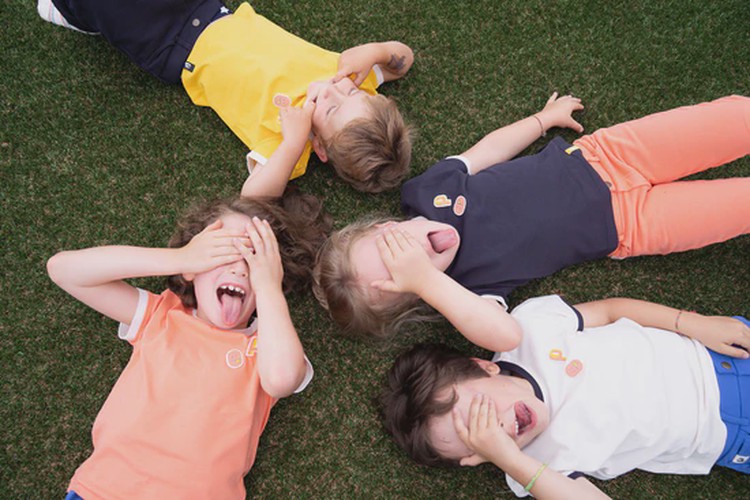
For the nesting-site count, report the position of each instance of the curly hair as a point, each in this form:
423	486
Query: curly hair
337	289
414	393
372	154
298	221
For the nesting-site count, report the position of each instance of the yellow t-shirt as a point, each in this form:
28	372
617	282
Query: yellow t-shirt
241	61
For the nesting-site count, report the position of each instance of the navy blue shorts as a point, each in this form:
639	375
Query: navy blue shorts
157	35
734	388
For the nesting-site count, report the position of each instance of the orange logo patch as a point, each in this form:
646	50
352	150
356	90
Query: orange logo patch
574	368
460	206
441	201
282	101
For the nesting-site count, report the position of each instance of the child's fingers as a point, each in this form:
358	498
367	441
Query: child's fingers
476	402
491	413
390	237
385	286
576	126
552	98
267	234
731	350
244	250
460	426
384	248
472	460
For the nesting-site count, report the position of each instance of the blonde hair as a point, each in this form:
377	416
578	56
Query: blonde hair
373	153
337	288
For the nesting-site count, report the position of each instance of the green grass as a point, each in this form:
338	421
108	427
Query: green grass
94	151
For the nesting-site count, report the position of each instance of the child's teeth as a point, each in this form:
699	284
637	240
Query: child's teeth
516	427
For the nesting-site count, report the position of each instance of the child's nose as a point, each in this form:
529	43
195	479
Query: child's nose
239	269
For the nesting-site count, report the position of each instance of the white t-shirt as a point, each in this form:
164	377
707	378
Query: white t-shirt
624	397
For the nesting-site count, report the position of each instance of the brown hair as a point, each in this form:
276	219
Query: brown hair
372	154
412	396
298	221
336	286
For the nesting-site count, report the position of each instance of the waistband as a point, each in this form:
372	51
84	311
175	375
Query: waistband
206	13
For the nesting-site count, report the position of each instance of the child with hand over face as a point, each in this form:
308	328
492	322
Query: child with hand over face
596	389
245	68
491	223
211	355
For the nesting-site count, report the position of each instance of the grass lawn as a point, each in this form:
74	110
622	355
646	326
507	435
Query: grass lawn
94	151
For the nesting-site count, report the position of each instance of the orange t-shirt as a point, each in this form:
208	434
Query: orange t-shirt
184	418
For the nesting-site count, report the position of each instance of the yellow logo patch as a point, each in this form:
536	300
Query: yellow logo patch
441	201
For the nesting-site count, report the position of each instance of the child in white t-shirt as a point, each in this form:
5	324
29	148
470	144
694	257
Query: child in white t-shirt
597	389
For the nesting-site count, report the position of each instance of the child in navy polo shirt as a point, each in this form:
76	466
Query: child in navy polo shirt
489	224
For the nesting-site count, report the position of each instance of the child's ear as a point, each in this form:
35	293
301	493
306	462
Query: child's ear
319	149
488	366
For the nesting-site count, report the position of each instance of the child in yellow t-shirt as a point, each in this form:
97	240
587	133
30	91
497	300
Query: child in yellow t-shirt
245	68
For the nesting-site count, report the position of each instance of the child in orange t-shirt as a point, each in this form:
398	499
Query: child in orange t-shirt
184	418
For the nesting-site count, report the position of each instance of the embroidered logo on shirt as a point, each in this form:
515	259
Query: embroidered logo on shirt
557	355
574	368
282	101
235	359
189	66
441	201
252	347
460	206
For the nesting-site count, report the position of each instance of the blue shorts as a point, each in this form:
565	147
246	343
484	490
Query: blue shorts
733	376
157	35
72	495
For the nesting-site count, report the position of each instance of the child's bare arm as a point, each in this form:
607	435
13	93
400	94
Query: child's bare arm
718	333
95	275
394	59
281	358
270	180
490	443
482	321
505	143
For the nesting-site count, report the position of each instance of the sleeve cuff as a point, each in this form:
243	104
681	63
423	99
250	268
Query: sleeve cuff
309	372
130	332
464	160
378	75
500	300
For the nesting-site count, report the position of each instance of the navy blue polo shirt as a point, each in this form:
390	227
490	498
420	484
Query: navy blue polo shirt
518	220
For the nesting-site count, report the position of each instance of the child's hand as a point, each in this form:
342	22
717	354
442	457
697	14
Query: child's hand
721	334
209	249
357	62
484	436
263	258
296	123
405	259
557	112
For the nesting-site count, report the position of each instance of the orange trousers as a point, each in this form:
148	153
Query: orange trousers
642	160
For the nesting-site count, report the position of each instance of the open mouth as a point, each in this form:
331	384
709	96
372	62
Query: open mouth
231	298
524	418
442	240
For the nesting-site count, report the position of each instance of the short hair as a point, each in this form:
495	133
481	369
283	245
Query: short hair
337	289
298	221
372	154
413	394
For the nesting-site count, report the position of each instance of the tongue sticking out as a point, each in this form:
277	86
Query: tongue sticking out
230	309
442	240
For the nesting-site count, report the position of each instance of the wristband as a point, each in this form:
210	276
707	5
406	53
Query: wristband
533	479
541	125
